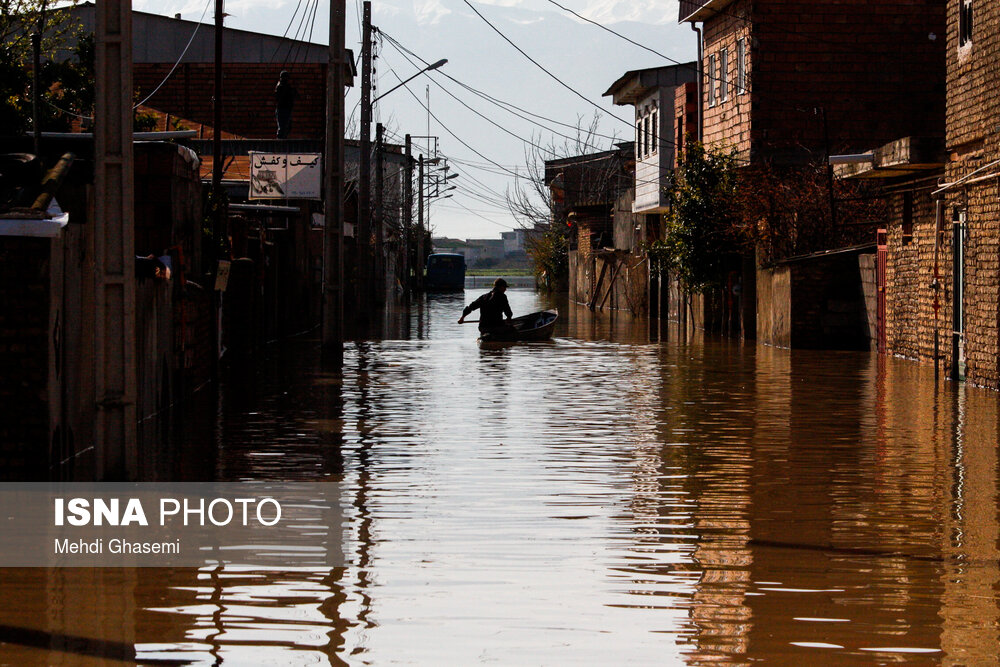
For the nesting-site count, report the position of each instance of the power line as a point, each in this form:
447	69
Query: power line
448	130
541	67
180	58
503	104
490	120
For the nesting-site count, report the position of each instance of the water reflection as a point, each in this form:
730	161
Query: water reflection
598	498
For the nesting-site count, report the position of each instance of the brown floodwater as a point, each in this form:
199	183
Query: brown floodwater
598	499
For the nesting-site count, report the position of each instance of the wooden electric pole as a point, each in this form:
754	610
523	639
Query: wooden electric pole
418	266
363	231
407	213
217	222
333	231
378	279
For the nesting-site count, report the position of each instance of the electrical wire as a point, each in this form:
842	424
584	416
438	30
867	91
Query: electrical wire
506	106
541	67
179	59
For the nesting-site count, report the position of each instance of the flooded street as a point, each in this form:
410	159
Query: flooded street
596	499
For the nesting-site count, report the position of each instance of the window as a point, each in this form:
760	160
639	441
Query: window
907	218
653	132
741	66
724	75
964	22
638	139
645	135
711	81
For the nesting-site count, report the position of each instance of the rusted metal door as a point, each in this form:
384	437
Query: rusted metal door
881	258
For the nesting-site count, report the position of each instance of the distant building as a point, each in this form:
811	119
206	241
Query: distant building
514	241
585	192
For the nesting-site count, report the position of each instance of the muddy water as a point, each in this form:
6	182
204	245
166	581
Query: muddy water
594	500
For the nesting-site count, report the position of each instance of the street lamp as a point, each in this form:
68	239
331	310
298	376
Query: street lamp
406	81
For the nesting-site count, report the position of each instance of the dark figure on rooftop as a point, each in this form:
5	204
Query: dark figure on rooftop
284	100
492	307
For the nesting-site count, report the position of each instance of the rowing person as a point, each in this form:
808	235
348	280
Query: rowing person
492	306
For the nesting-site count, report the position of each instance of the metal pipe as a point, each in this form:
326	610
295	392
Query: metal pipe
936	283
965	179
700	83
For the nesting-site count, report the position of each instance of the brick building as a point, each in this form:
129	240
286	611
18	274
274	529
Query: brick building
942	242
790	81
586	192
251	65
787	83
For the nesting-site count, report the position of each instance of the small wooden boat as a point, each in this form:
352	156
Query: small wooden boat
534	327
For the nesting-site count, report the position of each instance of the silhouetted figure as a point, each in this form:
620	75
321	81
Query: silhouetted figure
284	100
492	307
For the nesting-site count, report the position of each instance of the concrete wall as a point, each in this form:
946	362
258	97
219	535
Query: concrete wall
816	302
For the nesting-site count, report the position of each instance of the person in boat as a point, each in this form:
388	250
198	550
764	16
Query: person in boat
492	307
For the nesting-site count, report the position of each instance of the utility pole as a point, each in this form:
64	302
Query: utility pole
36	93
378	280
114	246
418	267
363	233
407	213
333	231
217	128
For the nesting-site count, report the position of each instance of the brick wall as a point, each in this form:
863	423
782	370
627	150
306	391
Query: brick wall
909	273
685	116
248	95
871	65
727	122
972	142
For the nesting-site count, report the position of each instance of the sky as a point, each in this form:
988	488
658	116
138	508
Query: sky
486	144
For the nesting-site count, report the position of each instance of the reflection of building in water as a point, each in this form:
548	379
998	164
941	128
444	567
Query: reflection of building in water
691	498
970	577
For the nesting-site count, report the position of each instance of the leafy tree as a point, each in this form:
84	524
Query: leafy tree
66	84
703	229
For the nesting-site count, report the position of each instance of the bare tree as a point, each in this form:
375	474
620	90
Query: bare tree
529	199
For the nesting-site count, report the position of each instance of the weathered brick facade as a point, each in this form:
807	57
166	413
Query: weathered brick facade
972	143
969	195
869	67
909	274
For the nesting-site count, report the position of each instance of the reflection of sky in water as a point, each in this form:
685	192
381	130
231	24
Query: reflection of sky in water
594	499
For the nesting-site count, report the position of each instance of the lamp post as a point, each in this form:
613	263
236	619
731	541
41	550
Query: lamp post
406	81
364	175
